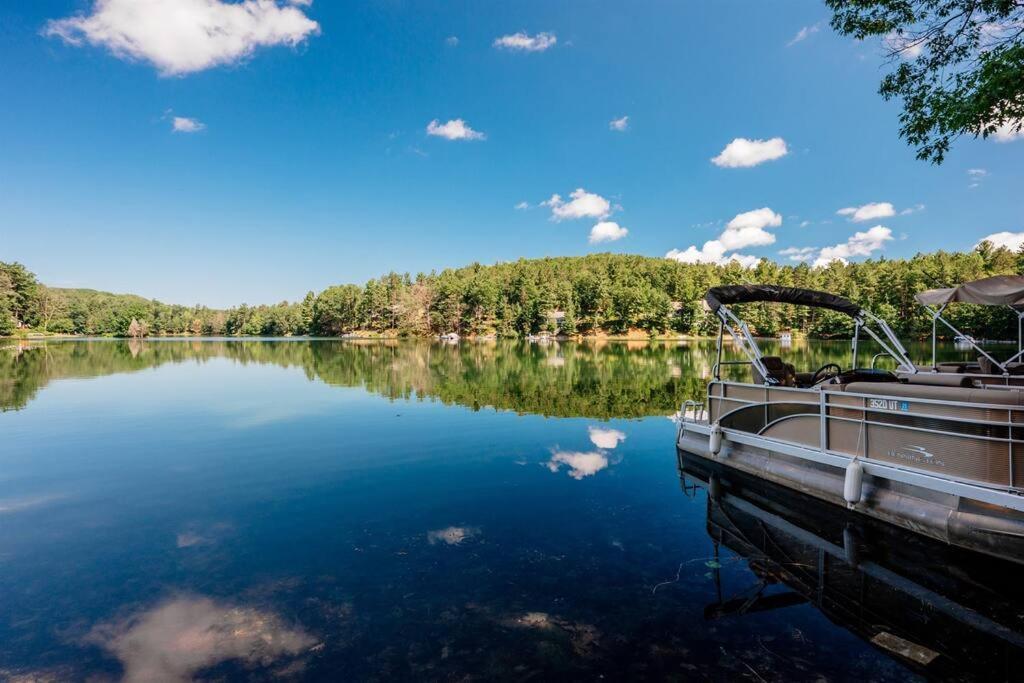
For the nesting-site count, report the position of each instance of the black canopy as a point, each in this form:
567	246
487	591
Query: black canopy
740	294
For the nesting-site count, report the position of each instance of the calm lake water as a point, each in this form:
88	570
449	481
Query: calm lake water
316	510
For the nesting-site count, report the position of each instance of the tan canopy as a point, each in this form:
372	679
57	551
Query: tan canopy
1001	290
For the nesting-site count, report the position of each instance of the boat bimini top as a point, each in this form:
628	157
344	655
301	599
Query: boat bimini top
1000	290
720	298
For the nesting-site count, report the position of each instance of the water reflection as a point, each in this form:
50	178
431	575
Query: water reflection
580	464
453	535
604	437
596	379
946	613
560	379
143	534
176	639
583	464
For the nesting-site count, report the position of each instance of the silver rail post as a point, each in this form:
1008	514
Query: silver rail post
856	335
935	333
718	362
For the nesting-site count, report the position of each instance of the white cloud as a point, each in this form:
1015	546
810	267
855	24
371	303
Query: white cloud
522	206
184	36
456	129
1010	240
748	229
744	153
859	244
912	209
177	639
605	438
711	252
868	212
582	204
744	230
523	42
453	41
799	253
607	231
580	464
977	172
1009	131
908	47
620	125
184	124
803	34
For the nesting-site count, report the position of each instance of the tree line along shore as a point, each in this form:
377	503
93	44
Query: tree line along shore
599	294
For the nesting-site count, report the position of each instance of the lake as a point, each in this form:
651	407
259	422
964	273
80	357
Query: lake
299	509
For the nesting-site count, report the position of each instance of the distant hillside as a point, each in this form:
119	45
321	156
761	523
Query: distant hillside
595	294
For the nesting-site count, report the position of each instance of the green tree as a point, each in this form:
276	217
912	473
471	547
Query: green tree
306	314
7	324
18	286
959	65
336	310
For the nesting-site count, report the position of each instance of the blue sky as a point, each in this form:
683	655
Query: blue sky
304	157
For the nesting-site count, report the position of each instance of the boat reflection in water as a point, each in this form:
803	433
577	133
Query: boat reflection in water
944	612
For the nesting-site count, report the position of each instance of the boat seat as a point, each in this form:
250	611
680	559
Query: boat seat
937	379
938	393
987	367
803	379
953	367
780	371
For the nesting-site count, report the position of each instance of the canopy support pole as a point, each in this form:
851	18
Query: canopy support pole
935	333
969	340
1020	345
745	340
894	348
718	362
856	335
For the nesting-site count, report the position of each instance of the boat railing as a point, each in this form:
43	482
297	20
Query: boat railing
962	441
693	411
717	366
883	354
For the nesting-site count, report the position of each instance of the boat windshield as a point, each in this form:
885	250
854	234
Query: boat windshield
771	370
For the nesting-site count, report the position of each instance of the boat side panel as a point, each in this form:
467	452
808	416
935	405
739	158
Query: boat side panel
924	429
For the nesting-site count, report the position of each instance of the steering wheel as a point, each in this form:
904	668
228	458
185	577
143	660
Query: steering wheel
820	374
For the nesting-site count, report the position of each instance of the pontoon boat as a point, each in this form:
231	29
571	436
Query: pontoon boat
938	453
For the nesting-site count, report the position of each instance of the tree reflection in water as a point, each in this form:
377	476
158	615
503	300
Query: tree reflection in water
596	379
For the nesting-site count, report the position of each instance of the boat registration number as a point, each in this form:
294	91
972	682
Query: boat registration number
888	404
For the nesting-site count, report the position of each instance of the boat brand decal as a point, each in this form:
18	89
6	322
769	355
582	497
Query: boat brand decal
888	404
918	455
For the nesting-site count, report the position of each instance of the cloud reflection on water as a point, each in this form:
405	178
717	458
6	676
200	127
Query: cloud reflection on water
180	637
12	505
588	463
604	437
580	464
453	535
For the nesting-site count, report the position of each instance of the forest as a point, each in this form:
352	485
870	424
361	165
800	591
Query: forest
599	294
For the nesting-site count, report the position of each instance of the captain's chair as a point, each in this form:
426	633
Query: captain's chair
779	371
